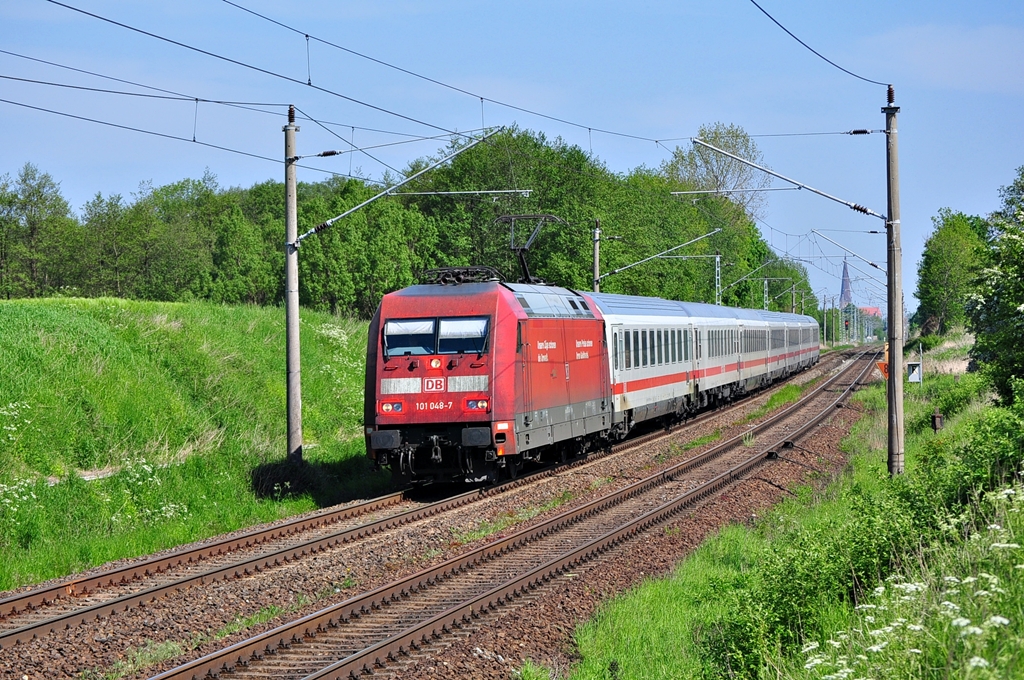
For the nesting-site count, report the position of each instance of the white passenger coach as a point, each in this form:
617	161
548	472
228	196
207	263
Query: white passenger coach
668	356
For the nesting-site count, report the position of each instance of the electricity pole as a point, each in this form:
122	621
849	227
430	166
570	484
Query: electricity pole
824	319
895	292
291	292
597	256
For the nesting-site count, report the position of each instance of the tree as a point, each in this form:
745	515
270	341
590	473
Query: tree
700	168
997	310
1013	201
945	276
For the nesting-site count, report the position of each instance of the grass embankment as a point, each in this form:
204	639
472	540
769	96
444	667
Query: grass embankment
179	410
921	576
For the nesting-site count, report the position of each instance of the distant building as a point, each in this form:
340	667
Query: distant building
846	292
871	311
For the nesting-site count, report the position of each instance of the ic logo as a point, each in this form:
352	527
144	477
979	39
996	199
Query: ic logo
433	384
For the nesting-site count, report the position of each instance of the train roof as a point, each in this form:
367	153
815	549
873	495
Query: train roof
635	305
536	300
557	302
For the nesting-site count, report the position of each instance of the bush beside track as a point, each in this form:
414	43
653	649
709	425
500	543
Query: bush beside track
175	412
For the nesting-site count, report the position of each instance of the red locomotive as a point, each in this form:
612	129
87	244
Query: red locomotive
465	381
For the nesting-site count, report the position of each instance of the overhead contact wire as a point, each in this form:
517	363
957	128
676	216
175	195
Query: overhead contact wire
252	67
816	52
175	137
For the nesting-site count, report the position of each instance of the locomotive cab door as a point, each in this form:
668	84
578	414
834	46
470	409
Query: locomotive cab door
543	418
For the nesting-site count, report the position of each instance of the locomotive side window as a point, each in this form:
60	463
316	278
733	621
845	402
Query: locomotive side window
411	337
615	351
465	335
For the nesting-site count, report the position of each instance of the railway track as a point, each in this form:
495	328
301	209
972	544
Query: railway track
365	632
37	612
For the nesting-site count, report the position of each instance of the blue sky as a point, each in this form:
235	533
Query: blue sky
657	70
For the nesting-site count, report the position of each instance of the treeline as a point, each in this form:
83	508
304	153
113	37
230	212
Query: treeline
194	240
972	274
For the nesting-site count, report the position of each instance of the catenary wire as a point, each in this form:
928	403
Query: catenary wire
438	82
192	98
178	138
366	153
171	97
817	53
414	137
186	98
481	98
254	68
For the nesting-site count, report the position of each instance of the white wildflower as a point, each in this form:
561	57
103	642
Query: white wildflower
994	527
880	590
810	647
981	593
814	661
977	662
949	606
969	579
869	619
835	643
877	648
909	587
971	630
997	621
1004	546
914	651
862	607
914	627
960	622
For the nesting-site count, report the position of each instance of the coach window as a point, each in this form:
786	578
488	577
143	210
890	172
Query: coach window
659	348
643	347
650	337
672	344
636	349
628	350
615	351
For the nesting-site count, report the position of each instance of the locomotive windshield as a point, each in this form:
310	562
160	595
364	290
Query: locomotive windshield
412	337
416	337
457	336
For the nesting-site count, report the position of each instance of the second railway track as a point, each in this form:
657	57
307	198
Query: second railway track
36	612
286	542
364	632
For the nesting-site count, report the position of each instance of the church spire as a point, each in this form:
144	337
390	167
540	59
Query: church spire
846	292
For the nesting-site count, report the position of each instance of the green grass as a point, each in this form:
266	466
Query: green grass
786	395
487	528
920	576
181	409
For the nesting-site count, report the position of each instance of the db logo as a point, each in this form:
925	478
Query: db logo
433	384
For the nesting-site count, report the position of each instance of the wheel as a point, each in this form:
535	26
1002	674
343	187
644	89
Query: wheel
512	465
